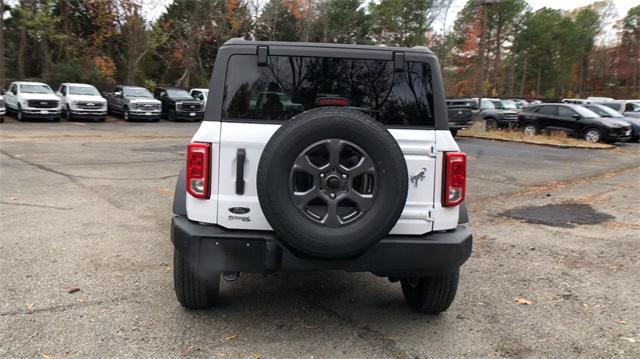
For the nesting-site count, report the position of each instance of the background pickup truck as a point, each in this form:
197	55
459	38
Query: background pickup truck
133	102
460	113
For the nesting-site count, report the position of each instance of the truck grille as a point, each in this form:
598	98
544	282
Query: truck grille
189	106
511	116
42	103
1	103
147	107
90	105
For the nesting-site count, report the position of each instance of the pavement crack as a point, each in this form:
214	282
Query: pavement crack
388	345
60	307
74	178
559	185
35	205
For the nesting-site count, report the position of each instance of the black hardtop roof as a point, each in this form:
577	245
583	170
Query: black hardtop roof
242	41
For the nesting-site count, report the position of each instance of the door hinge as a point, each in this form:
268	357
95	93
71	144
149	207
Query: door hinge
431	215
432	151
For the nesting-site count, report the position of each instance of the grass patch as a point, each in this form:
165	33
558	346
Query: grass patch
559	139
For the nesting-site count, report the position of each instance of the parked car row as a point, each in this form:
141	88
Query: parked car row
497	113
37	100
596	119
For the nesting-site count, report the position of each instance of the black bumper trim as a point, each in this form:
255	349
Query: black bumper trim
260	252
184	115
142	116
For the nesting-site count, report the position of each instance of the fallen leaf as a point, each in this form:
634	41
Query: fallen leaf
523	301
309	326
166	191
620	321
73	290
631	340
13	199
233	337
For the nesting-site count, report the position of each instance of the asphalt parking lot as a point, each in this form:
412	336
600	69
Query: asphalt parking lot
87	206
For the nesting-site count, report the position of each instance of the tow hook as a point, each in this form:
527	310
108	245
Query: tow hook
230	276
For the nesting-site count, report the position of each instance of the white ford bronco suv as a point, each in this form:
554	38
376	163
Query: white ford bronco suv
362	176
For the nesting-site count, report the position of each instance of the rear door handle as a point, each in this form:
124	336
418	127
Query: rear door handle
240	158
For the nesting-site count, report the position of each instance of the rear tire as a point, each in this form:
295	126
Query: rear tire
454	132
433	294
195	288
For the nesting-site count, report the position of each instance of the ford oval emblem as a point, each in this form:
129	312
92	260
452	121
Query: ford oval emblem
239	210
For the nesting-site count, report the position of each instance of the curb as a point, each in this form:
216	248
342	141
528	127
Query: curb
557	145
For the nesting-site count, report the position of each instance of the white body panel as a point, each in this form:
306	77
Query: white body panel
422	150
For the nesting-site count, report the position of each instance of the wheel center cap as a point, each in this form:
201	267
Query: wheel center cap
333	182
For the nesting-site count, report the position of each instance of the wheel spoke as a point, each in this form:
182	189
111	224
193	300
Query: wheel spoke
334	146
362	201
302	199
332	219
303	164
365	165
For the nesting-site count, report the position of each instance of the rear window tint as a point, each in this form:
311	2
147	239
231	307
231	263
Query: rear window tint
290	85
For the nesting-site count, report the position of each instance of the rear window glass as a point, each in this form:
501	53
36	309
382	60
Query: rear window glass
290	85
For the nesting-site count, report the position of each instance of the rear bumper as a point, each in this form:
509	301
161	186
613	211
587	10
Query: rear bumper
226	250
461	124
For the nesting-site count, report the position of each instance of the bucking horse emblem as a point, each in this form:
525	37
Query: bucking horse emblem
418	177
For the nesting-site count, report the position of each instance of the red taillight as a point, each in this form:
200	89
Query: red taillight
455	178
198	155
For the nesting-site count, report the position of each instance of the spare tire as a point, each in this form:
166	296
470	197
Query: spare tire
332	182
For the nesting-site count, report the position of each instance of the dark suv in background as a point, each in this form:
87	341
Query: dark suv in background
460	113
576	120
497	116
177	104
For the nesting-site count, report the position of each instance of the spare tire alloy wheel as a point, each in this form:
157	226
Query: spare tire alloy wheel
332	182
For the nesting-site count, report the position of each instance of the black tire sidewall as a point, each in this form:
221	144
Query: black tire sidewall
299	232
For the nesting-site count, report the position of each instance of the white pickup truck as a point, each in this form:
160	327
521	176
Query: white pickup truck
82	101
32	100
